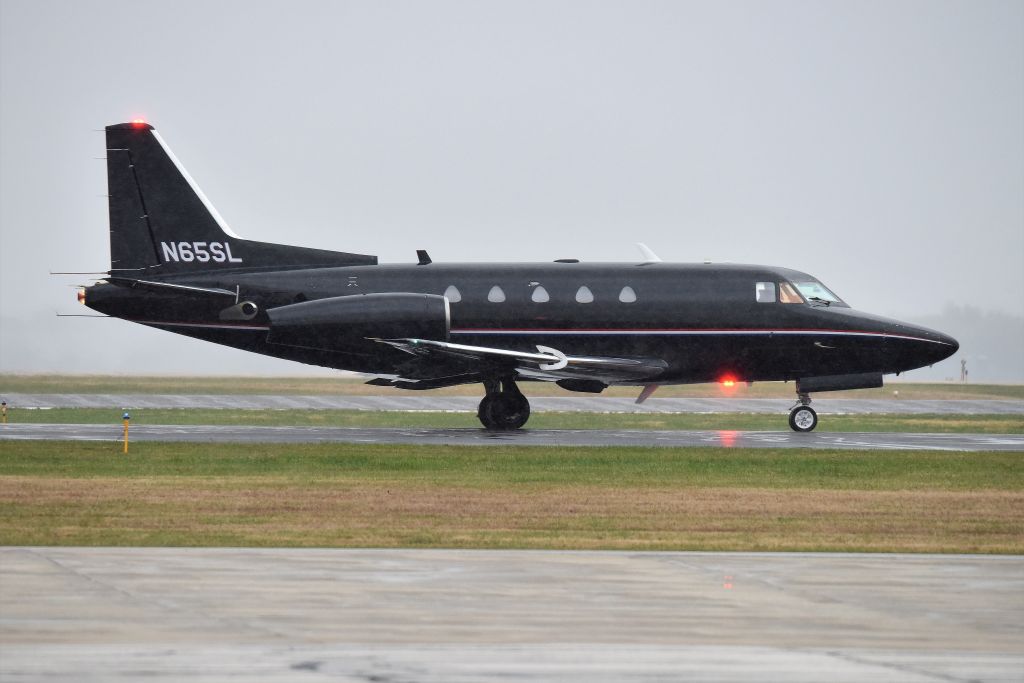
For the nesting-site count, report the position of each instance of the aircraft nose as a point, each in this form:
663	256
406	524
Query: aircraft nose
921	346
953	344
945	345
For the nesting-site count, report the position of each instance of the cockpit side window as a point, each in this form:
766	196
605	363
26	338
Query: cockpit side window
817	293
788	294
764	292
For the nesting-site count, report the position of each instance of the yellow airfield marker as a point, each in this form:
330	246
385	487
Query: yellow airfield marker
126	417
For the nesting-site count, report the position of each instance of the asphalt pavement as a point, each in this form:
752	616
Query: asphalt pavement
523	437
454	616
584	403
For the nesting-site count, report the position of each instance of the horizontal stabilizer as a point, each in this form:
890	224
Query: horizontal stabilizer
171	288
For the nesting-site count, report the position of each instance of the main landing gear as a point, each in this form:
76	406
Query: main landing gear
504	407
802	417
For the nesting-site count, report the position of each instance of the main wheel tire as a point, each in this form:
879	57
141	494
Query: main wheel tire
803	419
504	412
483	412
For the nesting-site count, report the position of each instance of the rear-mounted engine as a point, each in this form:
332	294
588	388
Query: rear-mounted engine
339	322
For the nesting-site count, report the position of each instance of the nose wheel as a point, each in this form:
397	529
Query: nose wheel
503	408
802	417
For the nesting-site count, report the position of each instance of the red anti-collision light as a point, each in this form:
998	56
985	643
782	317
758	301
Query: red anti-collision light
138	123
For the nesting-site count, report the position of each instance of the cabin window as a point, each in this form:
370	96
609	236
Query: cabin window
496	295
788	294
453	294
765	292
540	295
584	295
627	295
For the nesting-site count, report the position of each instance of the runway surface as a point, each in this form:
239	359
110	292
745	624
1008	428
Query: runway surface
120	614
595	404
524	437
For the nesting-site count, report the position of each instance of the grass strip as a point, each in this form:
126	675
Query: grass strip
352	495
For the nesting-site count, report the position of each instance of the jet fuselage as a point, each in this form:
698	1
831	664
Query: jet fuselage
704	320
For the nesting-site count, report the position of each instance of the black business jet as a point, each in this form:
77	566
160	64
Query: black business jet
176	266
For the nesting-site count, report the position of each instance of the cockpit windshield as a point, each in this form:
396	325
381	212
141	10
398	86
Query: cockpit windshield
818	294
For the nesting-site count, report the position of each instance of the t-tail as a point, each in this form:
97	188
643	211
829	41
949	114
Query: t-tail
162	224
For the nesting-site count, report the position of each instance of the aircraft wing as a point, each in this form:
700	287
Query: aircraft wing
546	364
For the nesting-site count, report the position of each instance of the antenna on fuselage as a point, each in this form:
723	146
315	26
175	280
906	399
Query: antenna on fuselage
649	256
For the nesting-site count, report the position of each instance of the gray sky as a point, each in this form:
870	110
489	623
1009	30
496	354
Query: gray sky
877	145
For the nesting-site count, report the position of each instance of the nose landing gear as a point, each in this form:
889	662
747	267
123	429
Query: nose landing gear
504	407
802	417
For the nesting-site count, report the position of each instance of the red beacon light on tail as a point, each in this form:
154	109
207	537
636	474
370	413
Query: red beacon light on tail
138	123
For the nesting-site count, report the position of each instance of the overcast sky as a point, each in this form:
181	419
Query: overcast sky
876	145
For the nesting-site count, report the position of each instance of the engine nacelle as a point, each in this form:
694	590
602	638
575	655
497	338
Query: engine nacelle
343	321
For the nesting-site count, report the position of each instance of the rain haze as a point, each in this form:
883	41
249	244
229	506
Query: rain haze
877	146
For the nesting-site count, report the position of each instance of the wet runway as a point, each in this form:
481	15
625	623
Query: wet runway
525	437
431	616
594	404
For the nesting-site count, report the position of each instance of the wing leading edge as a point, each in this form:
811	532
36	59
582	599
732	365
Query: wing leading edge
546	364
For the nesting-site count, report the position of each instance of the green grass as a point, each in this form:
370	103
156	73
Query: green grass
347	385
502	466
356	495
981	424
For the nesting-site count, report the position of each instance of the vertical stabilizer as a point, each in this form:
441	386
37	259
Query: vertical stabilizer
161	223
